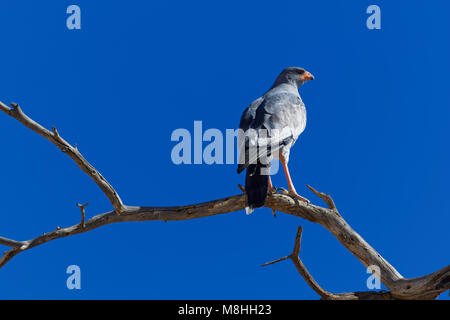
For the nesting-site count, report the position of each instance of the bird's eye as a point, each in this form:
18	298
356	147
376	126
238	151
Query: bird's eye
301	71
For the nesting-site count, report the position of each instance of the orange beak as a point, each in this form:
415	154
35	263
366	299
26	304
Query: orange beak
307	76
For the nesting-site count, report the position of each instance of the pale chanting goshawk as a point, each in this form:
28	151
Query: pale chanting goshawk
269	127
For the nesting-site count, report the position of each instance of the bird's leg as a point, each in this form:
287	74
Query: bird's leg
272	190
291	191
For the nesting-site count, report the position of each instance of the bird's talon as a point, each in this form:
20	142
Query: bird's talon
283	191
294	195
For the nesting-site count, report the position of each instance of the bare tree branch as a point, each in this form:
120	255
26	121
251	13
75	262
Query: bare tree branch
11	243
325	295
225	205
425	287
54	137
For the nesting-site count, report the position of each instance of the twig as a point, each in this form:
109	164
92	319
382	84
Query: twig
82	206
11	243
325	197
275	261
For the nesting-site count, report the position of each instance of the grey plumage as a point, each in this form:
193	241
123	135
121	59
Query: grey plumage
277	119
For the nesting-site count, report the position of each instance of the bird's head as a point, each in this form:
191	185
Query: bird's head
294	75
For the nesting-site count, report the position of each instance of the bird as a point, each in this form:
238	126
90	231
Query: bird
268	129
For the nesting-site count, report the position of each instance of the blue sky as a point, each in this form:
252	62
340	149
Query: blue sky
376	140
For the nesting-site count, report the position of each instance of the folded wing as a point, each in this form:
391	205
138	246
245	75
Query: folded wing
267	125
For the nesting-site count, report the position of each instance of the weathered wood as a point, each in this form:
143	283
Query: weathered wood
425	287
54	137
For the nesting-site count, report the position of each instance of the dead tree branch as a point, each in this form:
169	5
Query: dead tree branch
54	137
325	295
425	287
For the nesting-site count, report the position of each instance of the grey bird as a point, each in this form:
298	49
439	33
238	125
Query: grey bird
269	127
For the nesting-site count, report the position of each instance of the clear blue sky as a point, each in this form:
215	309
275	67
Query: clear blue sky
377	140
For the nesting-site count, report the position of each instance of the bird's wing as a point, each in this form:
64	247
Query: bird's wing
267	124
248	116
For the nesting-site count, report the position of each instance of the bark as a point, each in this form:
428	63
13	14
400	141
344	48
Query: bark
426	287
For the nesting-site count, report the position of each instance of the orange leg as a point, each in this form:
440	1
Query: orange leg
292	191
270	185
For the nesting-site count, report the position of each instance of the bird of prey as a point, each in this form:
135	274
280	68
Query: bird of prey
269	127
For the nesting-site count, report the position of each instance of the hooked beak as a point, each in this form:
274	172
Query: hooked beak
307	76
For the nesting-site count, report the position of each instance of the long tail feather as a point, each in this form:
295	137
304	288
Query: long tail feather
256	186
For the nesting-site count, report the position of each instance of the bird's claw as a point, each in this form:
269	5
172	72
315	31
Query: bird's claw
273	190
283	191
294	195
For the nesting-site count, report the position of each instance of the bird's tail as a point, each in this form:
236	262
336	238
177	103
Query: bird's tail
256	186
